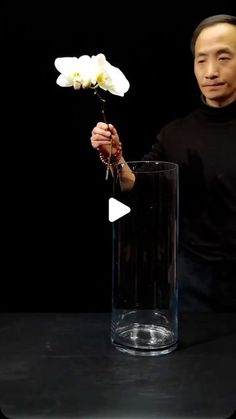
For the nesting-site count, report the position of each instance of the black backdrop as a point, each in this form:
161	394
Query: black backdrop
57	237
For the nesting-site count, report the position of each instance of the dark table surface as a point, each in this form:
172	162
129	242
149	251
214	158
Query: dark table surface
62	365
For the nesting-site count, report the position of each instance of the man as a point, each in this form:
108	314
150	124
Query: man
203	144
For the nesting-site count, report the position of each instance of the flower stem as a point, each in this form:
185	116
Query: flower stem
106	122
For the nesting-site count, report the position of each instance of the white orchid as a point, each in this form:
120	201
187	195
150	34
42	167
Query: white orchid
108	77
91	72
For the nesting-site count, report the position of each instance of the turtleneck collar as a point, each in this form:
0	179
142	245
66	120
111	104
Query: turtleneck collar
219	114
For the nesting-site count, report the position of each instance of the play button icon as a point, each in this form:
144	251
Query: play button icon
117	209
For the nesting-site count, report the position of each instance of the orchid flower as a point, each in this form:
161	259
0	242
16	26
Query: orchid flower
74	71
92	72
108	77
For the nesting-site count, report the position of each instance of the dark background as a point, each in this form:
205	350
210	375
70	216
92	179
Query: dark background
56	237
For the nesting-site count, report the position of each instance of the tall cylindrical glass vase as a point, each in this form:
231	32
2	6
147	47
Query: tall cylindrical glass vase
145	289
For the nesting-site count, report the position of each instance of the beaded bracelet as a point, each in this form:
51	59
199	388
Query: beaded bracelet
114	157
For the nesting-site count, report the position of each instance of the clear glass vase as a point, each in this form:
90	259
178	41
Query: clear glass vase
144	283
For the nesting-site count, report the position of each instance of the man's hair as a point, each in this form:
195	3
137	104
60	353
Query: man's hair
210	21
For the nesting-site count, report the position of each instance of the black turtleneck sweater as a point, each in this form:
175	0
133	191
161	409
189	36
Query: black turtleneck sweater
203	144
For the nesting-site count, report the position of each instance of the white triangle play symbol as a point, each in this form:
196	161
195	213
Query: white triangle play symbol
117	209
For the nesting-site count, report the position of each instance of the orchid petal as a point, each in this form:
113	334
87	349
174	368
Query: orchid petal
66	65
64	81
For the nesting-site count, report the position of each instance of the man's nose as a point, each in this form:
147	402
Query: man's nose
212	70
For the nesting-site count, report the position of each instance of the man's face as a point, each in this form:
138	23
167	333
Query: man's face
215	63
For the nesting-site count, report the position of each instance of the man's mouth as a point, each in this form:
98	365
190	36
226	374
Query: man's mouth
213	84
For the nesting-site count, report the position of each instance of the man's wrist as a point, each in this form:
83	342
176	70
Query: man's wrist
120	163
